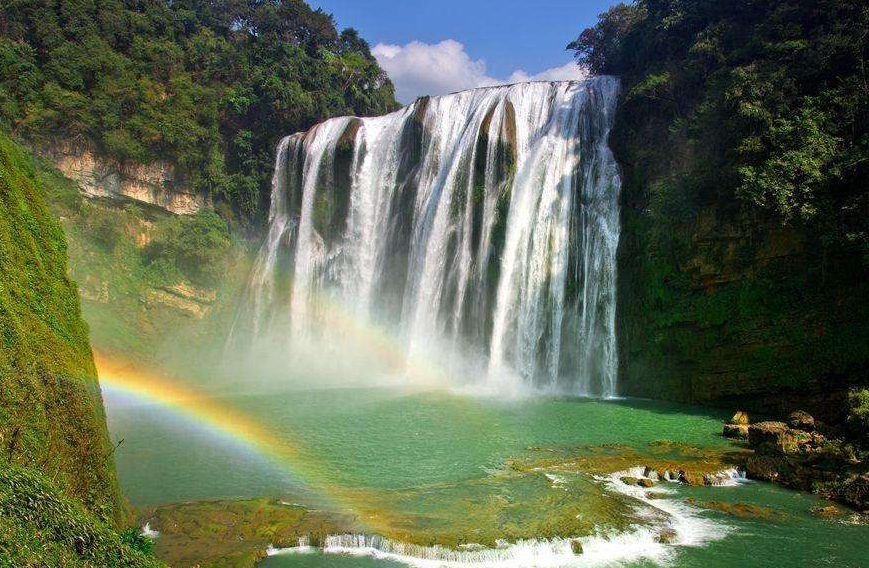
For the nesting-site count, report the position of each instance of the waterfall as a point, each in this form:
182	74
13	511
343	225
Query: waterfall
478	228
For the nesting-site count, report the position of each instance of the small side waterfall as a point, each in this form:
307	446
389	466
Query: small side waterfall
478	228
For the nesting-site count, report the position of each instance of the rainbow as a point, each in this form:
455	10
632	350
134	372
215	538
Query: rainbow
225	420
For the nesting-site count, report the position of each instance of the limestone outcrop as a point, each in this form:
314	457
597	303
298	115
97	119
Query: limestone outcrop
156	183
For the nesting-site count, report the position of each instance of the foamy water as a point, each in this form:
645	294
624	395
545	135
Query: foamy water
671	523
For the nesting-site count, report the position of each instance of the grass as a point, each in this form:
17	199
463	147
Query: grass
41	527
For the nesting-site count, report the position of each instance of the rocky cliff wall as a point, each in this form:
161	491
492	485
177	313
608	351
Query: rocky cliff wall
739	309
156	183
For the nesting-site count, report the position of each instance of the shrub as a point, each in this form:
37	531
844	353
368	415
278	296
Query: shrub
858	415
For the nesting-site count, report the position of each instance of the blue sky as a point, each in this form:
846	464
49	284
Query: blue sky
433	47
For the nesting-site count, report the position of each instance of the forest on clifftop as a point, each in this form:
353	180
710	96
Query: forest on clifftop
210	85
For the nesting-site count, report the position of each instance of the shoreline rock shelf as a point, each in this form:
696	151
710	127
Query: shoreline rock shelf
797	455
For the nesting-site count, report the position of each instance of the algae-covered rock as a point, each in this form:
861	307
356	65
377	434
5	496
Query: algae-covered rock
666	536
825	511
628	480
576	547
740	510
692	478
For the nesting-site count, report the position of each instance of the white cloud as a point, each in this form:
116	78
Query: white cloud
419	68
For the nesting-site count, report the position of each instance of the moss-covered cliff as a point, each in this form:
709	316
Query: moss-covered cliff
59	499
742	134
747	313
51	413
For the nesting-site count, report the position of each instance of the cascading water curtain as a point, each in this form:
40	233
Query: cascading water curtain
479	228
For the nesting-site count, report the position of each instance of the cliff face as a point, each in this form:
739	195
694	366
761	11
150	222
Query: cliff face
157	183
51	412
742	135
741	310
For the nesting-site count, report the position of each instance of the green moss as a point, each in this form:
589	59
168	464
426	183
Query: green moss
50	403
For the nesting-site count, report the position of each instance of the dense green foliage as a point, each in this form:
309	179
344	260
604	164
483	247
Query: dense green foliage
743	138
42	528
51	414
760	102
192	247
209	84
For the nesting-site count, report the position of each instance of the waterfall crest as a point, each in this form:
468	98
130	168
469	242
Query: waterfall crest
478	228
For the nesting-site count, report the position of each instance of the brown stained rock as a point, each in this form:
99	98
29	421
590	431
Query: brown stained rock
643	482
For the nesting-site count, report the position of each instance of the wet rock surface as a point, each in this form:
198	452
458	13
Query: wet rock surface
796	455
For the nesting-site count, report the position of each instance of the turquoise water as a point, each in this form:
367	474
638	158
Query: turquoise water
379	438
443	469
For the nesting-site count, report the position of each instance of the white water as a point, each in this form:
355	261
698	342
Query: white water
477	230
670	523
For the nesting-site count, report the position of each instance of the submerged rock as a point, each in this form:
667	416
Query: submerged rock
827	511
740	510
627	480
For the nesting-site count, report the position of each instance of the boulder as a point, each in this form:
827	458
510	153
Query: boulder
736	431
692	478
855	492
801	420
643	482
627	480
740	418
764	468
774	438
650	473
